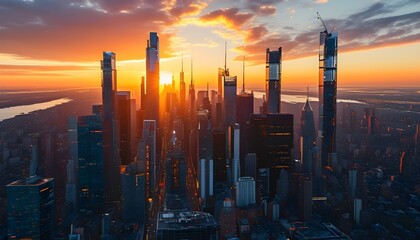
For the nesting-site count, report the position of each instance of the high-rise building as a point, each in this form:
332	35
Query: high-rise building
307	137
127	123
234	152
149	148
133	193
110	129
305	197
273	80
72	192
219	154
250	165
327	95
30	208
272	141
204	134
229	100
244	109
91	163
245	191
31	205
152	77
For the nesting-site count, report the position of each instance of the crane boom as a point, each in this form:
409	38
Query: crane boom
319	17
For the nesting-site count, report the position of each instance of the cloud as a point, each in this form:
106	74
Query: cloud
79	30
373	27
230	17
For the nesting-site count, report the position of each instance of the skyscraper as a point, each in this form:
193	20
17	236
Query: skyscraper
91	163
229	100
31	205
327	95
272	141
245	191
72	192
152	77
127	123
110	128
149	148
273	80
30	208
307	137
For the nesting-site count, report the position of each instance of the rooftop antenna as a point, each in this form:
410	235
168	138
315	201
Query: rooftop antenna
307	92
243	74
325	27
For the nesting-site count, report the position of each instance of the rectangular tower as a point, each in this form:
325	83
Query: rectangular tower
229	100
110	128
327	95
273	80
152	77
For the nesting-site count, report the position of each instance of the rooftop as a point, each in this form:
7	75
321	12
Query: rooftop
181	220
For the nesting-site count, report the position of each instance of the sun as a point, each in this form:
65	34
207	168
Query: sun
165	78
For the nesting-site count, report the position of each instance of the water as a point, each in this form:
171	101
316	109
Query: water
11	112
302	98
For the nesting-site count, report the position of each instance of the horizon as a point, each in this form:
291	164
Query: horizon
378	41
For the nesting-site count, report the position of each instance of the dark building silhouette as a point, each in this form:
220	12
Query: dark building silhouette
273	80
272	141
307	137
328	95
152	77
91	163
110	127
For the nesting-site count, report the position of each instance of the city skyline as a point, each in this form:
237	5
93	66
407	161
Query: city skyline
52	49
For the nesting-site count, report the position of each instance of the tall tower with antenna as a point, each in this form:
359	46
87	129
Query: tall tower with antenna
328	42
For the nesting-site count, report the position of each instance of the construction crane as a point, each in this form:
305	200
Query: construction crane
325	27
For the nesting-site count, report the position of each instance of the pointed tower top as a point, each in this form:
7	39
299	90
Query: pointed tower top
307	107
182	61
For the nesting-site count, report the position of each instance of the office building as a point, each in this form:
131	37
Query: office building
305	197
357	208
233	152
185	225
307	137
250	165
91	163
273	80
204	134
219	154
182	91
110	127
133	193
272	141
31	205
127	123
245	192
149	148
244	110
152	77
229	100
30	208
72	192
327	95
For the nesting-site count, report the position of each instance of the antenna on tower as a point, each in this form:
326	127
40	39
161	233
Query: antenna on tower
325	27
307	92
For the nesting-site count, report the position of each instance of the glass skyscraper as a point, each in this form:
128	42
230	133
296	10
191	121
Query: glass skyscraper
327	95
152	77
91	163
273	80
30	208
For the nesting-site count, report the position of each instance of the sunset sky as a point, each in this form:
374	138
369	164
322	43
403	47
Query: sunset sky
59	43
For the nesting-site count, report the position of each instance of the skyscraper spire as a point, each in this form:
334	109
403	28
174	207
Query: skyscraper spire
182	61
